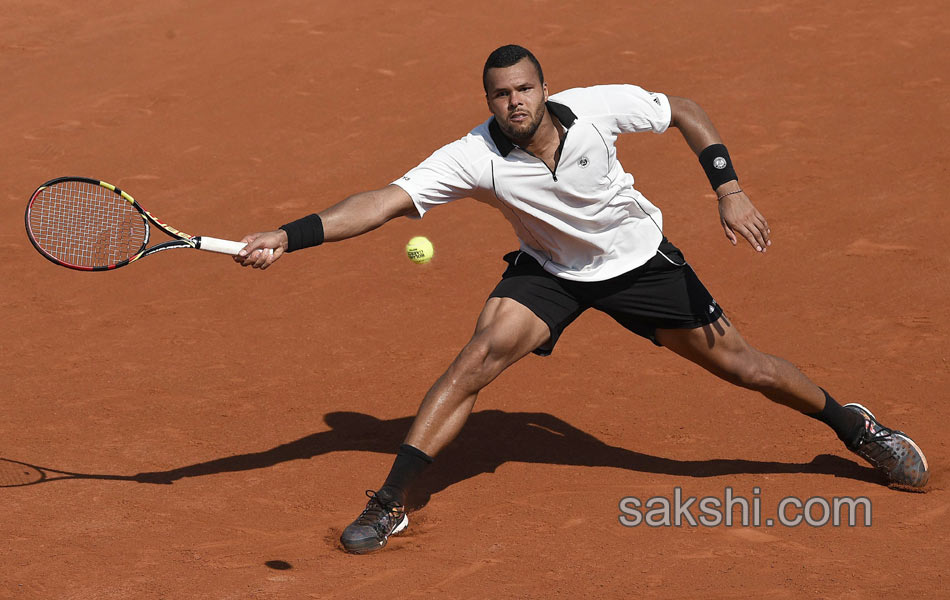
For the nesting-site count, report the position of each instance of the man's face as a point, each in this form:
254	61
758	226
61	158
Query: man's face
516	97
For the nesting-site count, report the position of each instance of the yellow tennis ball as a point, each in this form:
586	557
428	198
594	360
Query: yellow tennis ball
419	250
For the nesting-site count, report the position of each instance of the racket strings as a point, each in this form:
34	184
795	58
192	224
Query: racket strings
86	225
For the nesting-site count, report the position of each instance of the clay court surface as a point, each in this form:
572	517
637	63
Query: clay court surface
222	423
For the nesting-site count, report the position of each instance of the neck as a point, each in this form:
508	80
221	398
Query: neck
547	135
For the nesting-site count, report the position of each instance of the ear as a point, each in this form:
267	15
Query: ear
544	86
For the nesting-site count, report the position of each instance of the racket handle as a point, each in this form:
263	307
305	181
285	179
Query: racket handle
215	245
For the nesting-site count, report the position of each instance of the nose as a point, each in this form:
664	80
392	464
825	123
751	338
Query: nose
515	99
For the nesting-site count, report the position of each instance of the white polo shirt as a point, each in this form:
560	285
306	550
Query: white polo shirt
584	221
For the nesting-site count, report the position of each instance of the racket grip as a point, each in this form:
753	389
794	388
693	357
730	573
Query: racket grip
215	245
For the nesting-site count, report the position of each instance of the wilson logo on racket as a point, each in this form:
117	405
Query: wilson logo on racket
91	225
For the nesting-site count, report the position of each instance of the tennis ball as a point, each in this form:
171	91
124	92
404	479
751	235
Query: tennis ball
419	250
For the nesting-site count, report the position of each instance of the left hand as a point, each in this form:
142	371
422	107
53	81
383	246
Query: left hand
739	216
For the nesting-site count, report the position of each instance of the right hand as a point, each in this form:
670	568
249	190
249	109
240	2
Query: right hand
261	250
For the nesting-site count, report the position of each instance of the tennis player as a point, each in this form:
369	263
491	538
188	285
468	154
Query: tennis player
588	239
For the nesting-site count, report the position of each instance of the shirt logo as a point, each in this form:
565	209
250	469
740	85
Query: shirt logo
583	162
719	162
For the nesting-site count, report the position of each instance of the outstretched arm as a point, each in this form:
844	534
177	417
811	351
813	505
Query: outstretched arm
351	217
736	212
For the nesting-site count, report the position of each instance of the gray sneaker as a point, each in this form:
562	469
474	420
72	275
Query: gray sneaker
890	452
383	516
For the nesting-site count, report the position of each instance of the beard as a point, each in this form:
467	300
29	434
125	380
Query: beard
523	131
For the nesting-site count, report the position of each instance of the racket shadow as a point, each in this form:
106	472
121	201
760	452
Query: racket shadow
16	473
490	439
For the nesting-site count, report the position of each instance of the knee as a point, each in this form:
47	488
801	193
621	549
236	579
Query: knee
485	356
753	371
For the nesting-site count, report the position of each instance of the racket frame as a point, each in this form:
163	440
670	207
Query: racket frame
181	239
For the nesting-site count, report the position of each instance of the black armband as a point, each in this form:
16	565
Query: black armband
717	164
304	233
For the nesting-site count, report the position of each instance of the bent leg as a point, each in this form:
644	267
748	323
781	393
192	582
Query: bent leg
720	349
505	332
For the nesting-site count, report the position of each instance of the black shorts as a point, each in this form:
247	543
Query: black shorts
664	293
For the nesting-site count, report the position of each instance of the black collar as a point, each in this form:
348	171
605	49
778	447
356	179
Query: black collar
564	114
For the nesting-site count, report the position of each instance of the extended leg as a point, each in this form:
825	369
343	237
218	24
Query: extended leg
720	349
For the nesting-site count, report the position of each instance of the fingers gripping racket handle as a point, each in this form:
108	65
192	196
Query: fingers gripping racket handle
215	245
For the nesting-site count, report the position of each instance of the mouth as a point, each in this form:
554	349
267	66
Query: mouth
518	117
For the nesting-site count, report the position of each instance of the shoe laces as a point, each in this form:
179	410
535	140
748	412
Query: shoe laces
873	432
877	444
379	513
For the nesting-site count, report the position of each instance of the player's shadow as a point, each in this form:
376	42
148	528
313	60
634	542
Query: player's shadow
491	438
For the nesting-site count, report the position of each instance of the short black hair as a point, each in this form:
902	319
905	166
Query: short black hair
506	56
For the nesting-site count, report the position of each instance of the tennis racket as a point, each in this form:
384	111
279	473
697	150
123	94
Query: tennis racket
91	225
